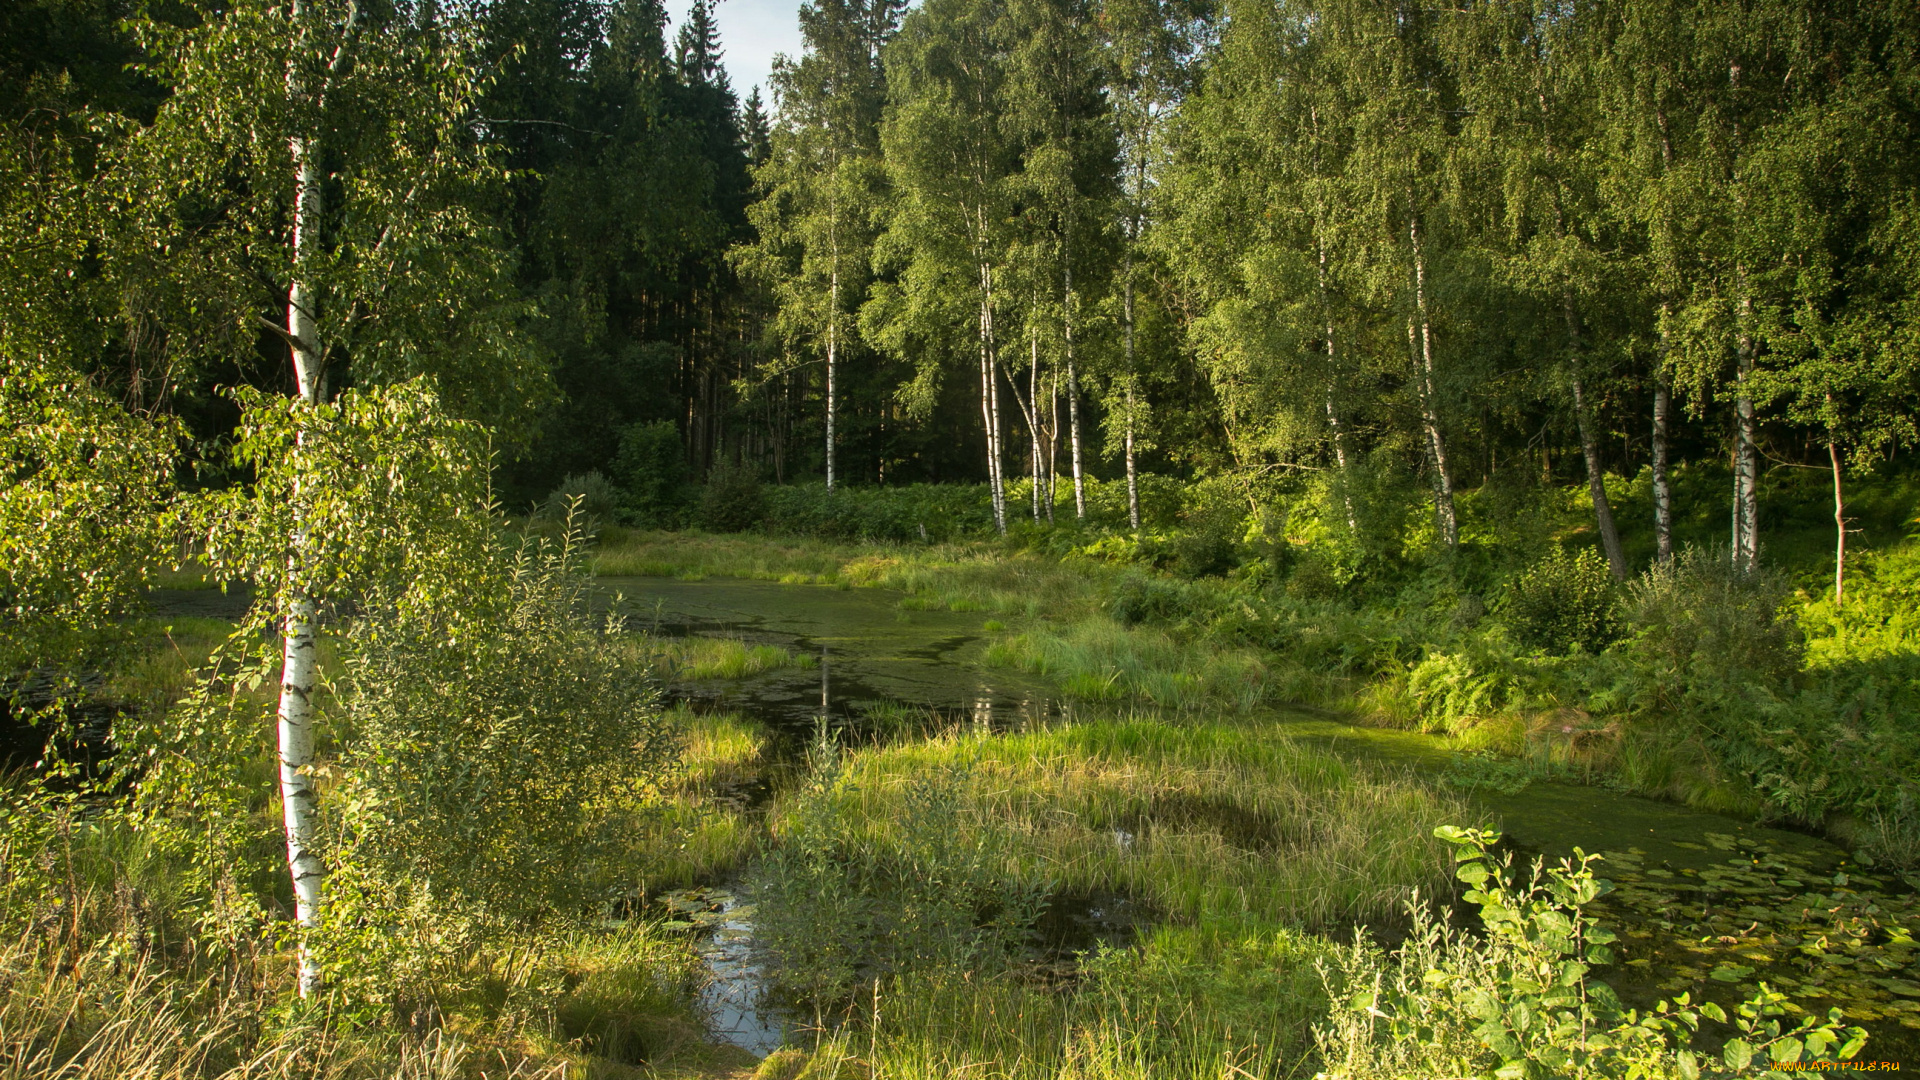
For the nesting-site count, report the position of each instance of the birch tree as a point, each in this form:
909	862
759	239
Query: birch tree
318	167
950	159
822	187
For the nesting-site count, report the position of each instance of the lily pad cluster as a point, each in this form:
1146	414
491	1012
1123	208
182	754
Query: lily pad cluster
1824	935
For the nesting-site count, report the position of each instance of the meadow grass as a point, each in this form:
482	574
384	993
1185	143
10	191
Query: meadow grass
108	974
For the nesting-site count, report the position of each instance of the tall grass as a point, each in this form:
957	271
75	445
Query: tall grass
1241	847
711	657
1098	659
1212	824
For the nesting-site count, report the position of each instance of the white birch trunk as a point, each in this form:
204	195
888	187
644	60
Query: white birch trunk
833	342
299	631
1133	476
1429	414
1746	458
990	400
1073	396
1662	490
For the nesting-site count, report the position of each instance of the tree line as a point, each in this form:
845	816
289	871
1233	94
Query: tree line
1316	235
982	240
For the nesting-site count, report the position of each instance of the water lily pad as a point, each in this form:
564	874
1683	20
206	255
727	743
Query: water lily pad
1730	973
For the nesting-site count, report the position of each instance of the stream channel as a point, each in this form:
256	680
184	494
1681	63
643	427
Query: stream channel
1704	903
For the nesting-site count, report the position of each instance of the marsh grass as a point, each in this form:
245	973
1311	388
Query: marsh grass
1100	660
1212	824
701	657
1171	1010
704	825
1242	844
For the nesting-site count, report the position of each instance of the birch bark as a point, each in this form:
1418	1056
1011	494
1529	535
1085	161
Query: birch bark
1073	394
1746	463
1662	491
299	644
1429	413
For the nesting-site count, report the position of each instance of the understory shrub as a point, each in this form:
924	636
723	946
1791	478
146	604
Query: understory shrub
841	903
651	469
1520	1002
490	748
732	501
590	495
1563	602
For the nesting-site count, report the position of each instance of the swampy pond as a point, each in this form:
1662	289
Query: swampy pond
1704	904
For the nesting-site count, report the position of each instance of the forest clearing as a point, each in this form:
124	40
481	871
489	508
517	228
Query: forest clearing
1050	540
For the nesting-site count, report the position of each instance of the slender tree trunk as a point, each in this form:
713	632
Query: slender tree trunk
1126	310
1033	417
1073	401
833	342
1839	525
1429	413
990	400
300	645
1662	491
1590	447
1746	459
1333	416
1053	442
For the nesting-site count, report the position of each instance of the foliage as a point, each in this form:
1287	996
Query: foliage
84	487
1520	1003
652	472
489	748
1562	602
1703	624
732	501
841	906
590	498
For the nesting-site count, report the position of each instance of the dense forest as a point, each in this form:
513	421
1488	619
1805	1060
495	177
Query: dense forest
1111	539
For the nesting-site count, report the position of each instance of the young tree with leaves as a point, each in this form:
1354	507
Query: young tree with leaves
951	161
822	186
335	147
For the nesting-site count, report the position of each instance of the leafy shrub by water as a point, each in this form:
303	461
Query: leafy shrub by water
841	904
489	740
1703	623
1563	602
1520	1003
590	495
732	501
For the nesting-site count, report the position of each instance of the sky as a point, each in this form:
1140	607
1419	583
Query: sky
751	31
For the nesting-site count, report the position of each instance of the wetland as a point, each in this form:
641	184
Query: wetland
919	814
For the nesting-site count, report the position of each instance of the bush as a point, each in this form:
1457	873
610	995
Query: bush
491	744
1141	599
1704	625
652	469
1562	603
589	496
1518	1004
732	500
915	513
840	904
